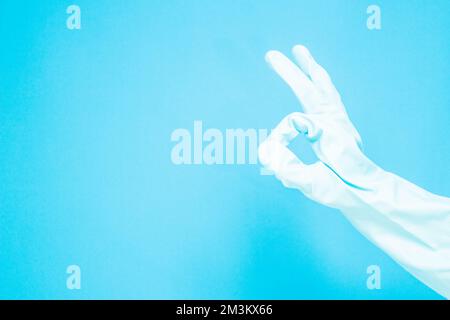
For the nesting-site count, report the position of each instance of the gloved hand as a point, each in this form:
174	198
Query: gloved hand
409	223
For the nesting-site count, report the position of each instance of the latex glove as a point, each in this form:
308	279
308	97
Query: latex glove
409	223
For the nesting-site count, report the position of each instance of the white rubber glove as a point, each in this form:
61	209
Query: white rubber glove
409	223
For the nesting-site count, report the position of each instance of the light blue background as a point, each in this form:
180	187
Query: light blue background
85	124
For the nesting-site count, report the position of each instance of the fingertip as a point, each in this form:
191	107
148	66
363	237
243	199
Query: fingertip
302	54
298	48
